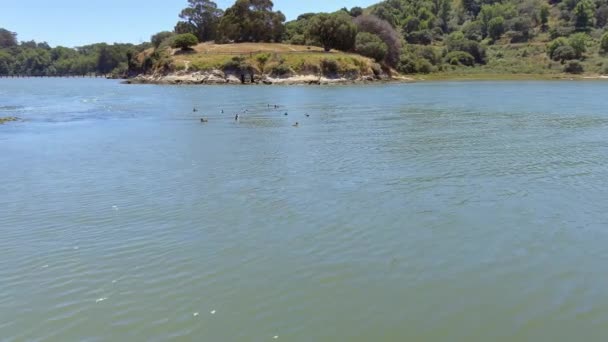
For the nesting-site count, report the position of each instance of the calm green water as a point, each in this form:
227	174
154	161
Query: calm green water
421	212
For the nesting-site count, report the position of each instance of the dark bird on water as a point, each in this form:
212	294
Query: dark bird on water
297	124
286	114
307	115
195	110
204	120
236	117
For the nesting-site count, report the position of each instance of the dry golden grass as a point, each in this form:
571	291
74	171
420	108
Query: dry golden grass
244	48
210	56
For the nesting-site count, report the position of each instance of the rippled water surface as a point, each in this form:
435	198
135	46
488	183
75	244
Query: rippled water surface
419	212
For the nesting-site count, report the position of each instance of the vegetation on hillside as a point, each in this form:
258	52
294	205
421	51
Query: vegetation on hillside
39	59
409	36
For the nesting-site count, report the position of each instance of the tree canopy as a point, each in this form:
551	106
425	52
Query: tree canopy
252	21
200	18
333	31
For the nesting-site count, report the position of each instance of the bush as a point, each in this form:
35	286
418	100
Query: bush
496	27
407	65
262	59
473	30
460	58
309	69
237	65
370	45
604	43
457	42
280	70
158	38
564	53
423	66
184	41
329	67
574	67
424	37
386	32
554	45
298	39
578	41
429	53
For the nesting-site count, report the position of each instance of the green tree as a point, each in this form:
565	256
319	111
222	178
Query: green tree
370	45
544	16
158	38
584	12
6	61
356	11
7	38
184	41
496	27
204	17
262	59
604	43
564	53
601	16
554	45
252	21
387	33
107	60
578	41
334	31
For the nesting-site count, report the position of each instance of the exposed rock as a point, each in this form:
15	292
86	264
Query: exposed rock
219	77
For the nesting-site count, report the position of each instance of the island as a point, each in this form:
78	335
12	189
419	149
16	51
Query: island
395	40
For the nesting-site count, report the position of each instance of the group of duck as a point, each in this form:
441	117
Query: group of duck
237	116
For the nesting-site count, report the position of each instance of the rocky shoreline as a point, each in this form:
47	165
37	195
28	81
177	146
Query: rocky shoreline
218	77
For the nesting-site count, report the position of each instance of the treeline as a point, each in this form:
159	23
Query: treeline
412	36
39	59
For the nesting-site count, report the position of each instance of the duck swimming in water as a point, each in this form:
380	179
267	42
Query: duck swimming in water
307	115
297	124
195	110
204	120
236	117
286	114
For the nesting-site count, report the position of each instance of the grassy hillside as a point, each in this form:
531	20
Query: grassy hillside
266	58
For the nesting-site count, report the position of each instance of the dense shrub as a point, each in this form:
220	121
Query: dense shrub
184	41
457	42
554	45
578	41
496	27
280	70
574	67
423	66
460	58
329	67
386	32
473	30
564	53
407	65
158	38
370	45
429	53
604	43
423	37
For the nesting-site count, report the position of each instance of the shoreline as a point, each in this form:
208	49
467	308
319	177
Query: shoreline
217	77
